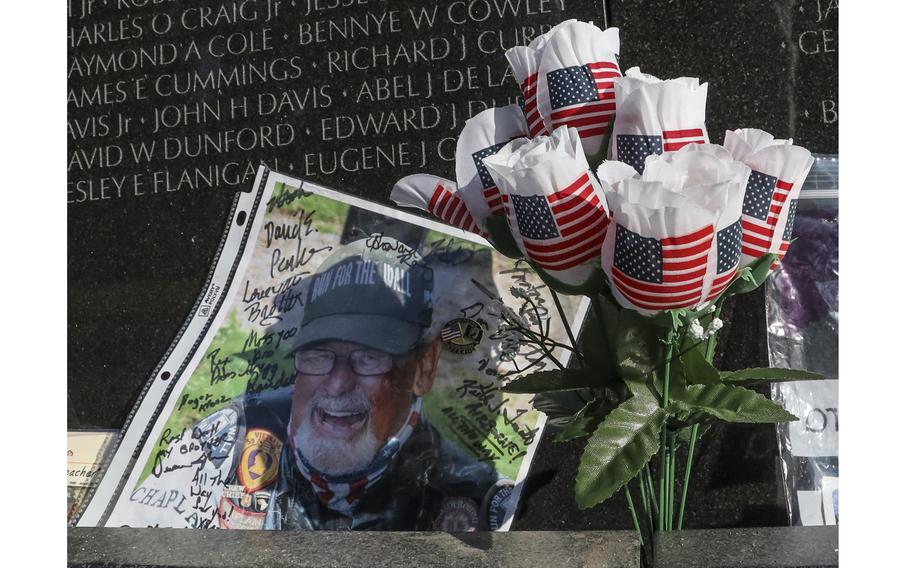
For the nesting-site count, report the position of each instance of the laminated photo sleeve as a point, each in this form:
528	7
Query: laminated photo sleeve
339	370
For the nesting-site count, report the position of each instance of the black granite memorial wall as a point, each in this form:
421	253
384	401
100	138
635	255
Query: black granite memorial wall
172	106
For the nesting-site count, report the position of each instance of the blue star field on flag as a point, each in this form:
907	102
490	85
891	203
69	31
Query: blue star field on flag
485	178
791	217
638	256
534	218
758	195
570	86
729	243
632	149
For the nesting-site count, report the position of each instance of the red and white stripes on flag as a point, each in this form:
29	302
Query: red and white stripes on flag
564	229
661	274
437	196
758	234
494	200
720	283
446	205
591	117
677	139
524	61
536	126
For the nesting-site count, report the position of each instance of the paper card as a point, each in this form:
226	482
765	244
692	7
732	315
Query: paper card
815	434
85	452
340	370
830	499
811	513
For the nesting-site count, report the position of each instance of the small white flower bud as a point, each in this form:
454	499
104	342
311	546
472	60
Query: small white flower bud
715	325
697	331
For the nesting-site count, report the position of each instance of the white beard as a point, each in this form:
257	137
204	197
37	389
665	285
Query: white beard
331	455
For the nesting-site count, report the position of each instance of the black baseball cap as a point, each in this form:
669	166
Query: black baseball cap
375	292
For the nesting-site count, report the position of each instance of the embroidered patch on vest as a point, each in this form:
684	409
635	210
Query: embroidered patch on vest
258	466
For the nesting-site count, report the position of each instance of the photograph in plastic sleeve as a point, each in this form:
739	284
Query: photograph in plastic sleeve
802	311
349	380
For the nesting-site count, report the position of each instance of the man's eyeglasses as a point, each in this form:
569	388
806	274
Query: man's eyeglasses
362	361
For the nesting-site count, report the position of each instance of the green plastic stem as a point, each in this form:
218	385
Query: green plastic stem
693	437
565	320
664	402
634	514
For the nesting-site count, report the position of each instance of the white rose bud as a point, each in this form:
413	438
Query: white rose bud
675	237
554	204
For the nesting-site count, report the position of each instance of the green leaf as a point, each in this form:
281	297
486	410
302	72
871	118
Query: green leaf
727	402
501	236
585	421
697	369
555	380
620	447
593	285
688	342
752	276
770	375
561	406
642	388
672	318
600	351
638	346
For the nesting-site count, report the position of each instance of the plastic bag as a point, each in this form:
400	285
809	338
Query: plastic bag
802	315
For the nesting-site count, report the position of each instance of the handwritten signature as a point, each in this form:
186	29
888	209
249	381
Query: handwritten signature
283	198
405	254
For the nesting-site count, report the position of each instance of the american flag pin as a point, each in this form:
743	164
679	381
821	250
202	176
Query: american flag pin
461	335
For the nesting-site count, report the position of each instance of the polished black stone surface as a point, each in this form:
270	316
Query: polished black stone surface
136	261
770	64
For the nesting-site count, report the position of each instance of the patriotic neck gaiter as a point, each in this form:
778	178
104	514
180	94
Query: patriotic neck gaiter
342	492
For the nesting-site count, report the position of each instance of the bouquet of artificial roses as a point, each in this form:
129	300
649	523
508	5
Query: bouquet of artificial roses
607	185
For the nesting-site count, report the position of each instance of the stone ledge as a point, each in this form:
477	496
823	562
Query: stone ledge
185	548
777	547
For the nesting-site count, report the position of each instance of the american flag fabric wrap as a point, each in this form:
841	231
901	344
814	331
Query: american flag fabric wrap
554	204
437	196
524	61
566	79
575	81
654	116
483	135
778	171
675	237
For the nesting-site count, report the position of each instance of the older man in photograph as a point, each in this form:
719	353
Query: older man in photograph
353	449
